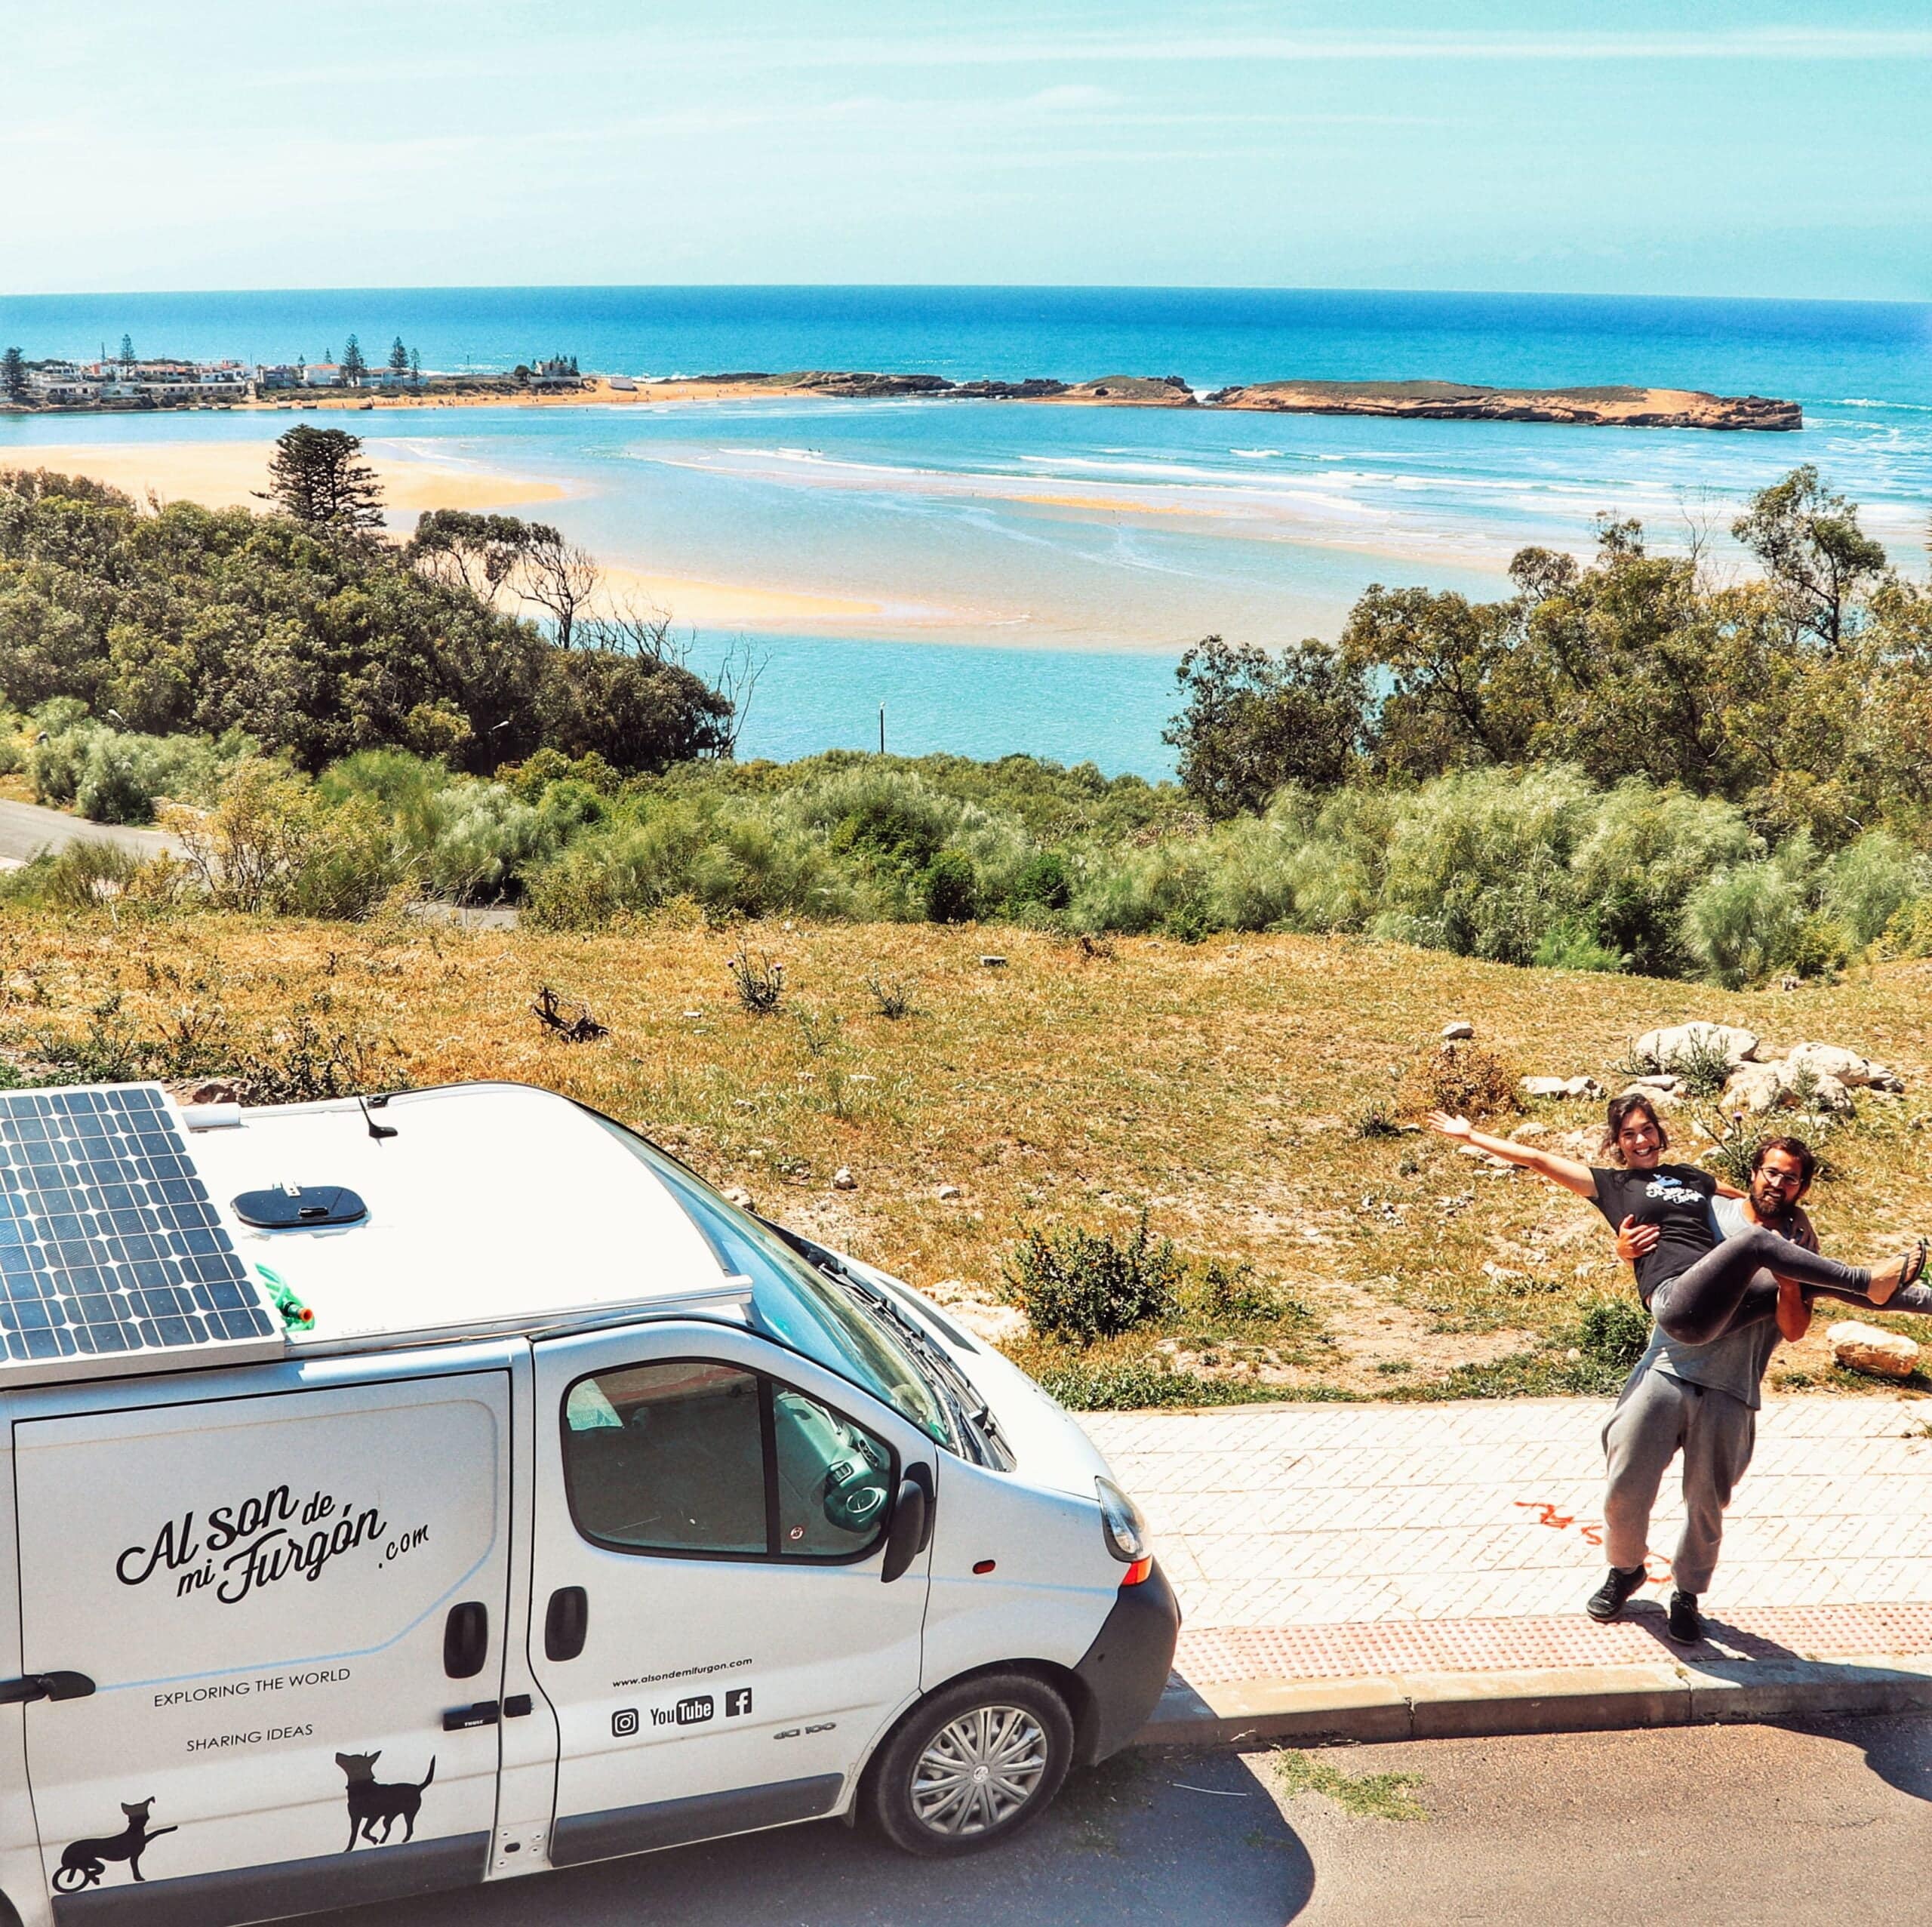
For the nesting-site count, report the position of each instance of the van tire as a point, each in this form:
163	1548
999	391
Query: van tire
970	1766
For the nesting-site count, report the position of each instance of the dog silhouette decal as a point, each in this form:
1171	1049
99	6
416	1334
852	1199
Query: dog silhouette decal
371	1799
85	1861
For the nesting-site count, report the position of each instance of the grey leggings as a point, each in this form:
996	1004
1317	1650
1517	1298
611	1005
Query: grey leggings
1730	1280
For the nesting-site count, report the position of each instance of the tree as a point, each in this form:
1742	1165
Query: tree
1456	690
416	366
127	351
1814	550
1252	722
14	375
398	358
477	553
354	367
558	576
317	475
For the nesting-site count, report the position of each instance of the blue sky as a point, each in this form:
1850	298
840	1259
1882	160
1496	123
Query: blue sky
1763	149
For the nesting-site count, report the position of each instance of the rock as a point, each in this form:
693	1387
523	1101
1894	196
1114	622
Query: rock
211	1090
1458	1032
946	1191
842	1179
1663	1047
1831	1098
1564	1087
998	1325
1666	1084
1524	1133
1865	1348
1753	1089
1855	1072
1663	1096
736	1194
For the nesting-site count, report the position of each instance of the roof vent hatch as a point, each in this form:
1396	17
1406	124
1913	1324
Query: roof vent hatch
300	1207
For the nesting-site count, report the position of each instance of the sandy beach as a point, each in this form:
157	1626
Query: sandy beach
227	475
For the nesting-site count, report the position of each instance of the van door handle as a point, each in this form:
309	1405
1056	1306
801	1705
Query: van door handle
44	1686
567	1624
466	1639
459	1719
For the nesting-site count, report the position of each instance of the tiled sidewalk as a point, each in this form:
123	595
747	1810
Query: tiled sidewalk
1312	1543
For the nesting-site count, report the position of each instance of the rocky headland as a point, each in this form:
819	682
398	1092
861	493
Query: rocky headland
1453	401
1426	400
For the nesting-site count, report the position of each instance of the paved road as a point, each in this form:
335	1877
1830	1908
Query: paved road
1724	1825
26	830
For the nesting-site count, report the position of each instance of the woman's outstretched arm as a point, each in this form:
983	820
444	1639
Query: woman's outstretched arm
1566	1171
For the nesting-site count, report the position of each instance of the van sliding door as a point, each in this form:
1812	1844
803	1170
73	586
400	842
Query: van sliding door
290	1610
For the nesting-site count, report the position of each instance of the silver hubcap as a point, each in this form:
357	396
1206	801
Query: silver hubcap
979	1770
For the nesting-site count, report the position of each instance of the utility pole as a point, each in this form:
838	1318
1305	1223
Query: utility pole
881	729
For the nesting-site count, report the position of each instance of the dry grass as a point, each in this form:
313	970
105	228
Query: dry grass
1221	1086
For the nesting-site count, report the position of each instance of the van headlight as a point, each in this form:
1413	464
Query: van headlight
1121	1521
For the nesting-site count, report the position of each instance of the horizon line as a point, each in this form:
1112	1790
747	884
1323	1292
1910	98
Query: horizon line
961	287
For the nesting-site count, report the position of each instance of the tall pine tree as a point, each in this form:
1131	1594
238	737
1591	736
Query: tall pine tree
354	367
14	375
318	475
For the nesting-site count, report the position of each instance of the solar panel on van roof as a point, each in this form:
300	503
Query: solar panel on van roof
110	1244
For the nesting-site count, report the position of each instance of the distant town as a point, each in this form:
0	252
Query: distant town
129	381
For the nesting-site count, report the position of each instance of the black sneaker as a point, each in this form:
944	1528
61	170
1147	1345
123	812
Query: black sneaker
1608	1600
1687	1623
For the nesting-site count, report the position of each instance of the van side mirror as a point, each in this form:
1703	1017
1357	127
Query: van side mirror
911	1530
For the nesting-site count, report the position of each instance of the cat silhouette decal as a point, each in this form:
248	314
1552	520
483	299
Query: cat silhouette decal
371	1799
85	1861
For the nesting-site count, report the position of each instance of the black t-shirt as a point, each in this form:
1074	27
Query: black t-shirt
1676	1198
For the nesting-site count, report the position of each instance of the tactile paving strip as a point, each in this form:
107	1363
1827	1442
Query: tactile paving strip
1214	1656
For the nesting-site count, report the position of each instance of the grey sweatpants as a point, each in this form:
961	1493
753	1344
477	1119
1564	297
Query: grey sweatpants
1657	1417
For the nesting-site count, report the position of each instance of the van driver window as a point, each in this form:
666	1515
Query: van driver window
668	1458
694	1457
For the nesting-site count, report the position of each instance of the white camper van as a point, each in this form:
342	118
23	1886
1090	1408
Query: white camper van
433	1489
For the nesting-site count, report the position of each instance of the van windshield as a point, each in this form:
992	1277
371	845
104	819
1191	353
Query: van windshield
799	1304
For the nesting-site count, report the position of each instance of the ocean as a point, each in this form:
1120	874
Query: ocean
1005	577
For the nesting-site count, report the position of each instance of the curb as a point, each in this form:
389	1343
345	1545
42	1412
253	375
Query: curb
1441	1706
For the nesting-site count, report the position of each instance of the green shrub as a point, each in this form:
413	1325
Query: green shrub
1643	852
1613	1333
1044	881
950	888
81	877
1869	883
1744	924
1081	1285
1570	944
275	845
115	783
1137	1384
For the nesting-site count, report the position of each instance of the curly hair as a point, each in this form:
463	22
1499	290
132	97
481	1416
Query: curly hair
1620	1112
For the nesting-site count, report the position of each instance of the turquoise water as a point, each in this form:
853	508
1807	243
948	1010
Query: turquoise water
1008	578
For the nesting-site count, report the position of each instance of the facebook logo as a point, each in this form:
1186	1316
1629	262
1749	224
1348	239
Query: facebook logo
736	1700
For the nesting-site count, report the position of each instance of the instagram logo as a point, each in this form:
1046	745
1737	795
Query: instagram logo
623	1723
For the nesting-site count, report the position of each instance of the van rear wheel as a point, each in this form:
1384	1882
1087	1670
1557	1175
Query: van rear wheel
974	1765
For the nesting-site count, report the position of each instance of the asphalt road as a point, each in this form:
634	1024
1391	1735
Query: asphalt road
1718	1825
26	830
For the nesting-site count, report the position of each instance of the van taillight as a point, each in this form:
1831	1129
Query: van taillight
1137	1571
